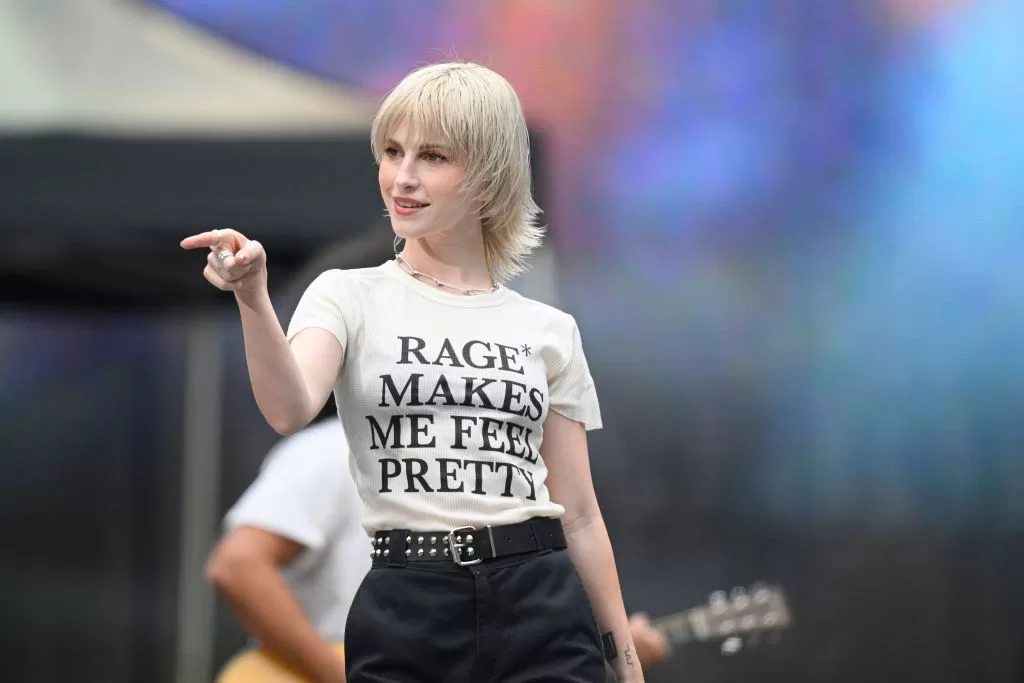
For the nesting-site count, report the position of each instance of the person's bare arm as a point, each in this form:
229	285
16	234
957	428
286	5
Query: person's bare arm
290	383
246	569
564	450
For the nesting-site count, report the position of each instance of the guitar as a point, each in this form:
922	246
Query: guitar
743	613
259	666
762	609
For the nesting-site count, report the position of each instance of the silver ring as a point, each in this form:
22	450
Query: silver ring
223	256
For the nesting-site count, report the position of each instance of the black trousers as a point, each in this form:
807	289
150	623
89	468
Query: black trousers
519	619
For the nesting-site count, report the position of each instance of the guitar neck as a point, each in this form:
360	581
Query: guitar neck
678	628
743	613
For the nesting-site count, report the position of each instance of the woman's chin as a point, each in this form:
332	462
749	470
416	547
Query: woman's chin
409	232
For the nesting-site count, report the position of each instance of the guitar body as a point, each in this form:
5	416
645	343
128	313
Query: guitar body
259	666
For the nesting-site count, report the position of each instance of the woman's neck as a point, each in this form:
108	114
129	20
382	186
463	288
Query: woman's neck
461	265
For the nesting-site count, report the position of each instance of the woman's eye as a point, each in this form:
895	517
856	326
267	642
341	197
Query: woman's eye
434	157
390	152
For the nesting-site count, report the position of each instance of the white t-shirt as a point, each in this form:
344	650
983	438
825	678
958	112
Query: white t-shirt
444	397
305	493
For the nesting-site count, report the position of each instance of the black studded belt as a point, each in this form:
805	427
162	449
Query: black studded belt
466	545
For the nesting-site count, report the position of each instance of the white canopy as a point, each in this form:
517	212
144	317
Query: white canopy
119	67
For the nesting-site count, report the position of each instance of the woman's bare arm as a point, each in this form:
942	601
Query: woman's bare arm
564	450
291	382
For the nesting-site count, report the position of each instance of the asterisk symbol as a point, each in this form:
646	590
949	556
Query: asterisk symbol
525	348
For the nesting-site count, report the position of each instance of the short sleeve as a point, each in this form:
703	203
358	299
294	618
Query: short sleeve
299	493
330	303
572	391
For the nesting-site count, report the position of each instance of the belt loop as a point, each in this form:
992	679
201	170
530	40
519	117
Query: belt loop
557	534
535	533
397	545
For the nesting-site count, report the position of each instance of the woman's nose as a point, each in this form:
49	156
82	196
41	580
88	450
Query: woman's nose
406	176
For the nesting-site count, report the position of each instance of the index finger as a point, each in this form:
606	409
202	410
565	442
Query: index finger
203	239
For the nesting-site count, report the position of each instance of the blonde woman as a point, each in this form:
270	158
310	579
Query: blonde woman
465	404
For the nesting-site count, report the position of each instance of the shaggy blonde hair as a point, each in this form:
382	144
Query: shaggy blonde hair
480	117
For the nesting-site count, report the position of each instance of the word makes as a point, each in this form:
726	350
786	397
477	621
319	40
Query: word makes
508	396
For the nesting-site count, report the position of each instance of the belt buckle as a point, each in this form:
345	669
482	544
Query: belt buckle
457	546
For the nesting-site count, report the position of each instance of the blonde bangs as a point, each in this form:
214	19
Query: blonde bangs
478	115
424	104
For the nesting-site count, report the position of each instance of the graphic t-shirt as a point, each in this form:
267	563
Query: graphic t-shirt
443	397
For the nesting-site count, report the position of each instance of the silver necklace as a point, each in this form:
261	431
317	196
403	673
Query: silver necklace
430	279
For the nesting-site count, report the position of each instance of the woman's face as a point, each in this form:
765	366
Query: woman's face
420	182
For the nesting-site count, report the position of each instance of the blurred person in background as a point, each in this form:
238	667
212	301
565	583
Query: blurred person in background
499	538
294	552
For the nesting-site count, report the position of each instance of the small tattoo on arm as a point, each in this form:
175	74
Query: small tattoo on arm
629	654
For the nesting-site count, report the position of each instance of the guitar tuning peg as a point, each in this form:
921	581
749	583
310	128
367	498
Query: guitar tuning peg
754	639
717	601
740	598
731	646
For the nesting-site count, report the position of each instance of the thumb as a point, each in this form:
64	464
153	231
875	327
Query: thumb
252	252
